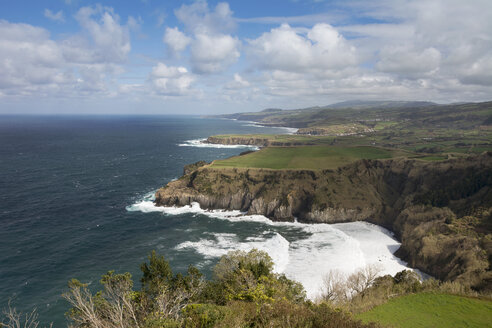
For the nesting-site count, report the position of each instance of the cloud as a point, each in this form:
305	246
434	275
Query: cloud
198	18
171	80
54	16
317	53
29	59
213	53
409	63
294	50
213	49
176	40
110	39
237	83
33	63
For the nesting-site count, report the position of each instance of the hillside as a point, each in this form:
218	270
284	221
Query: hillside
405	114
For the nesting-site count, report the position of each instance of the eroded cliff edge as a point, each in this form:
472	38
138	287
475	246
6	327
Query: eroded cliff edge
441	211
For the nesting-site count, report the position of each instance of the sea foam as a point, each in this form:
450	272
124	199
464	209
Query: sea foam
221	243
318	249
201	144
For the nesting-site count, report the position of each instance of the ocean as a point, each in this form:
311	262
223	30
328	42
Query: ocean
76	201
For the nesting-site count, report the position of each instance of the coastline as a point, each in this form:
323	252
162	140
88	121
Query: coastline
390	193
341	247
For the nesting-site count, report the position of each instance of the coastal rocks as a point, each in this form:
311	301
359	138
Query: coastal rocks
192	167
335	215
280	195
373	190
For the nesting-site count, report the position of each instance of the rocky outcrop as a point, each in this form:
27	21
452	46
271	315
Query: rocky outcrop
187	169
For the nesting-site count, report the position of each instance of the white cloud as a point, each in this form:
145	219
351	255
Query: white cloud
213	53
198	18
409	62
29	59
33	63
54	16
295	50
171	80
213	48
237	83
111	40
176	40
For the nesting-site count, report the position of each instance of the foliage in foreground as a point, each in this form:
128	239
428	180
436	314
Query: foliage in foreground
243	293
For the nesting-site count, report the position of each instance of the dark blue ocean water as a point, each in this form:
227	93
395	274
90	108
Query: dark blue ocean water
64	185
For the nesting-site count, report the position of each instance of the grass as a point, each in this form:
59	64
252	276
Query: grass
307	157
284	138
432	310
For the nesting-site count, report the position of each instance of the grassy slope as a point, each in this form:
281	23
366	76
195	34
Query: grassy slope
306	157
432	310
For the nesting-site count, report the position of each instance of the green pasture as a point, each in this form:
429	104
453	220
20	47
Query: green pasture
307	157
432	310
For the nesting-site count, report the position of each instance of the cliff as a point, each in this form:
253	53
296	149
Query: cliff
427	204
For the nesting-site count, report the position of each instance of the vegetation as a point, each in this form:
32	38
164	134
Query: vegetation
244	292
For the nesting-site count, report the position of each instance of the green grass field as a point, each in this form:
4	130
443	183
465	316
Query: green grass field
307	157
432	310
286	138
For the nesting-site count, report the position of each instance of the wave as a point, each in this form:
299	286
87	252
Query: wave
277	247
201	144
303	252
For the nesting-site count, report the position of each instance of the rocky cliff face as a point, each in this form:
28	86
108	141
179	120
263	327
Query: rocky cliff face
399	194
374	190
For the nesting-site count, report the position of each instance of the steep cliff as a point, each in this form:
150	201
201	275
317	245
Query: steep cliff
396	193
375	190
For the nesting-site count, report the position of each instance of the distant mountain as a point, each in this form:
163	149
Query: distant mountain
364	104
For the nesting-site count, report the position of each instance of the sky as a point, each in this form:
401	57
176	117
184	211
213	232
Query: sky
210	57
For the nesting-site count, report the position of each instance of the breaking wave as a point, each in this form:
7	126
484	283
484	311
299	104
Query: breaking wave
201	144
303	252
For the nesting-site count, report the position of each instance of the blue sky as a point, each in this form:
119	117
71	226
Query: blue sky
202	57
